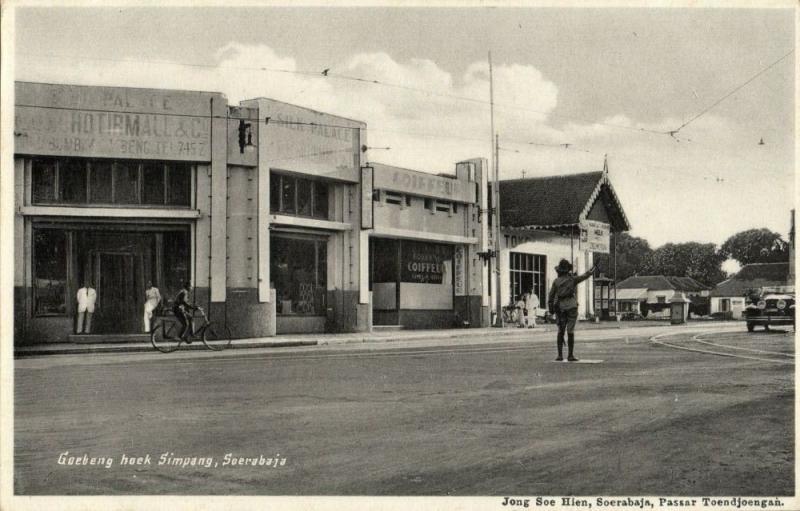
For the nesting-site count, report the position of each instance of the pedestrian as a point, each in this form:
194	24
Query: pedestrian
563	301
152	302
531	306
87	301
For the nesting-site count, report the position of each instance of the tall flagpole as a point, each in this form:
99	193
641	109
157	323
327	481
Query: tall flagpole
495	203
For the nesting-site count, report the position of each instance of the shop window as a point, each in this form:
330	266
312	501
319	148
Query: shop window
298	267
321	199
527	272
49	271
304	197
274	192
100	182
44	180
179	183
176	263
429	205
153	183
298	196
72	180
288	189
125	182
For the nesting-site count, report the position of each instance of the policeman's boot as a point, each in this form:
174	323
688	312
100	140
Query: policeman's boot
560	344
571	346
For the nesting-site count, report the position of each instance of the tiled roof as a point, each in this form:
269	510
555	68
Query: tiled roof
557	201
660	282
754	276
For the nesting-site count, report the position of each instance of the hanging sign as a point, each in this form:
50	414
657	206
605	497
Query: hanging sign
595	236
367	205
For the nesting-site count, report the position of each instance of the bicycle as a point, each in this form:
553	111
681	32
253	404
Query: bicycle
165	336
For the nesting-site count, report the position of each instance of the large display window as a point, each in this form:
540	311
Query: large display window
298	266
528	273
117	260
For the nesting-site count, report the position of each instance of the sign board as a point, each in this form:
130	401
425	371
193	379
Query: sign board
112	122
595	236
423	263
413	182
367	205
459	273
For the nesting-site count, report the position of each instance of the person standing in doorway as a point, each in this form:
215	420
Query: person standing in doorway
152	301
87	301
531	301
563	301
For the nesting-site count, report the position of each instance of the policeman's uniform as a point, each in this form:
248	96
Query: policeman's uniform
564	302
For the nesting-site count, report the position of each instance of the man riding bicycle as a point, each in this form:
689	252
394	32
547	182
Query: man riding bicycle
184	311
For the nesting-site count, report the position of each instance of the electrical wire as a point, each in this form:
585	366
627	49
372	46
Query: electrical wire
729	94
360	80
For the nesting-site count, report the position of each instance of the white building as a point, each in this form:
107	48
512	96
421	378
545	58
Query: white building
544	220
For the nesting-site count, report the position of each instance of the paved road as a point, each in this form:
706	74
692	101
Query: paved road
676	416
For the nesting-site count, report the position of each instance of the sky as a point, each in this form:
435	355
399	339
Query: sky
571	85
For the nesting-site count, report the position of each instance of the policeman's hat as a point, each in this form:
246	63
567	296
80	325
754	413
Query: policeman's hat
564	266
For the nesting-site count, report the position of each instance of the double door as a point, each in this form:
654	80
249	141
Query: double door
118	279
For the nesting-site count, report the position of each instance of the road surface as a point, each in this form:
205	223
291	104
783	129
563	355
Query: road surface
686	413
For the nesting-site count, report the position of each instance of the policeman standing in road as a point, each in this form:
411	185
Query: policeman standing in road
563	301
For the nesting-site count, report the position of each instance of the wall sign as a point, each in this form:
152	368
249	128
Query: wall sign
112	122
367	205
459	271
595	236
423	263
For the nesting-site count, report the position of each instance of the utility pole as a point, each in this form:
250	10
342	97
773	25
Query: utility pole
495	203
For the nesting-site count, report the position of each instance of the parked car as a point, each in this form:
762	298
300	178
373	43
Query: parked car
770	309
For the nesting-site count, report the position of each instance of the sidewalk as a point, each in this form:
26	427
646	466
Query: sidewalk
295	340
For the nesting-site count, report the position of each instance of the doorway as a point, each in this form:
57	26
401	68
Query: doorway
118	281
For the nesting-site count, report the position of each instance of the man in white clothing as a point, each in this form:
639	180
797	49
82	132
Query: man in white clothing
531	302
87	301
152	300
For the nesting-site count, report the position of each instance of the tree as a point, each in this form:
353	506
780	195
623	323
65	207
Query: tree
756	246
632	252
701	261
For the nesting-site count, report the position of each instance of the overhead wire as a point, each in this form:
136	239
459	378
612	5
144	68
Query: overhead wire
729	94
340	76
269	120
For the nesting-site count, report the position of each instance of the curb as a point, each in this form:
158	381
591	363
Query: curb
328	340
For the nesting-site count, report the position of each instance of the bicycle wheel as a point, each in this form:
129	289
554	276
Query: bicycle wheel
216	337
165	336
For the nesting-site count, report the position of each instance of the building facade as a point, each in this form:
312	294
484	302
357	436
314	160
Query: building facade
424	241
263	207
546	219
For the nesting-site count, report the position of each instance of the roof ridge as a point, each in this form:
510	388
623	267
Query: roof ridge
554	176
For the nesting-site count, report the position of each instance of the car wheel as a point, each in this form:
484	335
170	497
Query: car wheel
750	327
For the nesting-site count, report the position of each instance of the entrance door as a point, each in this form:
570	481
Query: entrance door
384	258
116	275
